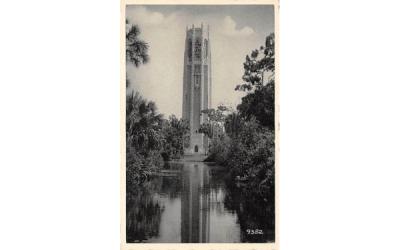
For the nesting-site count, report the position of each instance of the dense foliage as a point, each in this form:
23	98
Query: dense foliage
143	137
247	147
260	104
150	138
213	127
175	133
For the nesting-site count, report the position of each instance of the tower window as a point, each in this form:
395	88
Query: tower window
197	76
189	46
197	49
205	48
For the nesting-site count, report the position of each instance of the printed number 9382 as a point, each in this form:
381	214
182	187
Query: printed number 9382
254	231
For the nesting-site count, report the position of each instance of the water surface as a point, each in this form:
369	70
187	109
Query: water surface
192	202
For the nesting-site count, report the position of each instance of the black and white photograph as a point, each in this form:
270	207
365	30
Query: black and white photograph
200	124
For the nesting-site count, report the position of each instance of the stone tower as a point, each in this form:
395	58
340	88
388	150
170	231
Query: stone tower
196	86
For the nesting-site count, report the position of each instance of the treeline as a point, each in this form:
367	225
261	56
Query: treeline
150	139
247	147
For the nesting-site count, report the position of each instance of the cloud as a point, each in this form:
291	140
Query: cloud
140	15
229	28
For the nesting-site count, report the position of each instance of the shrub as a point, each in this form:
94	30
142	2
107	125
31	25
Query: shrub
219	149
249	156
140	167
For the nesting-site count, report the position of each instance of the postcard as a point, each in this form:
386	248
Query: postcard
199	125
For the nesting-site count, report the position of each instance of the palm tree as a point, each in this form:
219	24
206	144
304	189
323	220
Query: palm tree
136	49
133	102
143	123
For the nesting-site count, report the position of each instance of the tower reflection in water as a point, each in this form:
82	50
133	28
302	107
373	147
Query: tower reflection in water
195	207
190	207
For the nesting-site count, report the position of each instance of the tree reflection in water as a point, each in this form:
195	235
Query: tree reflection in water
254	213
144	210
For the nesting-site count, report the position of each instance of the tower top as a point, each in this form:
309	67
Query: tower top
203	29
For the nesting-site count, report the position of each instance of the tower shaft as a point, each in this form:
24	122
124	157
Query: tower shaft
196	86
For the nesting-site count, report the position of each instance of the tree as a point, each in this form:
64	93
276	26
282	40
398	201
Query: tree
259	63
136	49
215	120
259	83
175	132
260	104
143	124
144	138
233	124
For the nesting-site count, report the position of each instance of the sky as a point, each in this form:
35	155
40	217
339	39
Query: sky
235	30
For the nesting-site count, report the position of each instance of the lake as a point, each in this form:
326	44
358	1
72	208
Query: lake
193	202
